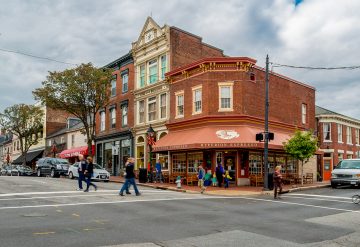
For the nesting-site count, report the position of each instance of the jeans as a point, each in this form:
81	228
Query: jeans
80	179
127	184
158	177
88	182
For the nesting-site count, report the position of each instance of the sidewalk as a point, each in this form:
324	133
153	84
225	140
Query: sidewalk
232	191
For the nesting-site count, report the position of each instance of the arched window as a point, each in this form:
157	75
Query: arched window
162	135
140	139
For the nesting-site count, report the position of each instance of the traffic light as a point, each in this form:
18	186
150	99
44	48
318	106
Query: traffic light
270	136
259	137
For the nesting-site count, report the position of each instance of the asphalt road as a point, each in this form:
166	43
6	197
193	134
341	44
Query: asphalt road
50	212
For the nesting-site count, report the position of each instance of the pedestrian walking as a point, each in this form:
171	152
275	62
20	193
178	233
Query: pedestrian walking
81	170
219	174
201	177
89	173
129	178
227	179
277	182
158	172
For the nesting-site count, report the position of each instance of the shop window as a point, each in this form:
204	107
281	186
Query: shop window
340	156
141	111
125	80
99	154
153	71
164	160
219	158
327	131
163	105
113	86
152	109
179	104
292	165
348	135
255	164
108	151
339	132
179	163
194	161
163	66
281	161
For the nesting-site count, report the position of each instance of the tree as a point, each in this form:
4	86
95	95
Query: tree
25	122
301	146
81	91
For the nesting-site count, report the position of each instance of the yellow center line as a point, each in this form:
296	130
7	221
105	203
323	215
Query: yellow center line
43	233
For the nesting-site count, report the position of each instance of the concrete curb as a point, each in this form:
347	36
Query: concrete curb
309	187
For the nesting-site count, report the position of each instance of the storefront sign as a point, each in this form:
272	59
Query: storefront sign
227	134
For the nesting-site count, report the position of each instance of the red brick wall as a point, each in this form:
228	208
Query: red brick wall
186	48
334	144
55	120
285	97
117	100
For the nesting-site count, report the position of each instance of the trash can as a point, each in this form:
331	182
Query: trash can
142	175
271	181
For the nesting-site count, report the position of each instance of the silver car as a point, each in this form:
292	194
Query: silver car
347	172
100	174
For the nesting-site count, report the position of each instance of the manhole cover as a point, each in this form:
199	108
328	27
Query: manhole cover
35	215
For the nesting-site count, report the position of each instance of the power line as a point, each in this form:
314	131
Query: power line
316	68
34	56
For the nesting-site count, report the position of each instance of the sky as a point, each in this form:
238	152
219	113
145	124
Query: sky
312	33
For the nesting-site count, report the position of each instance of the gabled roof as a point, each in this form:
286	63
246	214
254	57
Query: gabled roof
320	111
77	126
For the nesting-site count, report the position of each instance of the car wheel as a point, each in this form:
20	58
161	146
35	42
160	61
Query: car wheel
52	173
39	172
333	185
71	175
106	181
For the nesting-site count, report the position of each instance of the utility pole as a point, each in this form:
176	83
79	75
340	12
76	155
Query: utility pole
266	137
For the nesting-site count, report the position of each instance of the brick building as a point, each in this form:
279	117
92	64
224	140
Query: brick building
338	138
157	51
114	138
216	109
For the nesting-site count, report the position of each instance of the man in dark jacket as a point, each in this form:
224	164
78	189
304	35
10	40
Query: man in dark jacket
129	177
81	170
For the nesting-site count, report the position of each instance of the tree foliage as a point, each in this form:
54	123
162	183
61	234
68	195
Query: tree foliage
301	146
81	91
25	122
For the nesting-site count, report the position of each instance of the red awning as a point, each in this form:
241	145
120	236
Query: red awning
217	137
76	151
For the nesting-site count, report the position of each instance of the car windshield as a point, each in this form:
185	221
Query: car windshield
348	164
62	161
96	166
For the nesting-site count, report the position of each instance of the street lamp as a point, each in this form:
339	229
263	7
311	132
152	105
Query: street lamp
150	141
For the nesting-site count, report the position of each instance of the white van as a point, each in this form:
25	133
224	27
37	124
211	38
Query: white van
347	172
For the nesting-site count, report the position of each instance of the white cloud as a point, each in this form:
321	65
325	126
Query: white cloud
315	33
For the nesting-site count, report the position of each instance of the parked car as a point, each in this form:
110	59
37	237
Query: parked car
52	166
100	174
25	170
347	172
9	170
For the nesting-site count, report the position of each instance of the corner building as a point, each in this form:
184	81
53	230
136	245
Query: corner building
216	109
157	51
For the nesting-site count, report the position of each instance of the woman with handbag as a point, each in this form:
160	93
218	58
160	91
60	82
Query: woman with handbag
89	173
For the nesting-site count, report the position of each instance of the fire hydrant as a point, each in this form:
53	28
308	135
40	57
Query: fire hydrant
178	182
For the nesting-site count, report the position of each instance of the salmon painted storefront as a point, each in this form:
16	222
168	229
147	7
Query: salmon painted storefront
217	108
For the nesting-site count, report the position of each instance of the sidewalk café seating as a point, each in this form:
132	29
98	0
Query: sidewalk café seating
309	178
191	179
256	180
173	176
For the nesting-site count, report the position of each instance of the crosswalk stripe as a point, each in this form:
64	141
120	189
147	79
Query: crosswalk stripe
317	199
320	196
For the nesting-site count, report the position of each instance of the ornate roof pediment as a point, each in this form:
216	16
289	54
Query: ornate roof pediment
150	31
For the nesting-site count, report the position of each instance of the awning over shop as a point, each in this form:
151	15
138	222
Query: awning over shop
30	156
76	151
210	137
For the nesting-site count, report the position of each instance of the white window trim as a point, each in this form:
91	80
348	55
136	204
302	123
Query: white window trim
199	87
178	93
347	132
148	70
138	112
102	123
147	108
324	133
231	85
341	127
139	77
160	67
303	113
159	109
357	137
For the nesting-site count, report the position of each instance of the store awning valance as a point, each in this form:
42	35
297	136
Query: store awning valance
212	137
76	151
30	156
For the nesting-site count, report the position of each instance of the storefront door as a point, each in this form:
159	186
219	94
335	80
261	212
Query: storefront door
327	169
230	164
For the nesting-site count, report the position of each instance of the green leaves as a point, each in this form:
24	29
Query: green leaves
81	91
302	145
